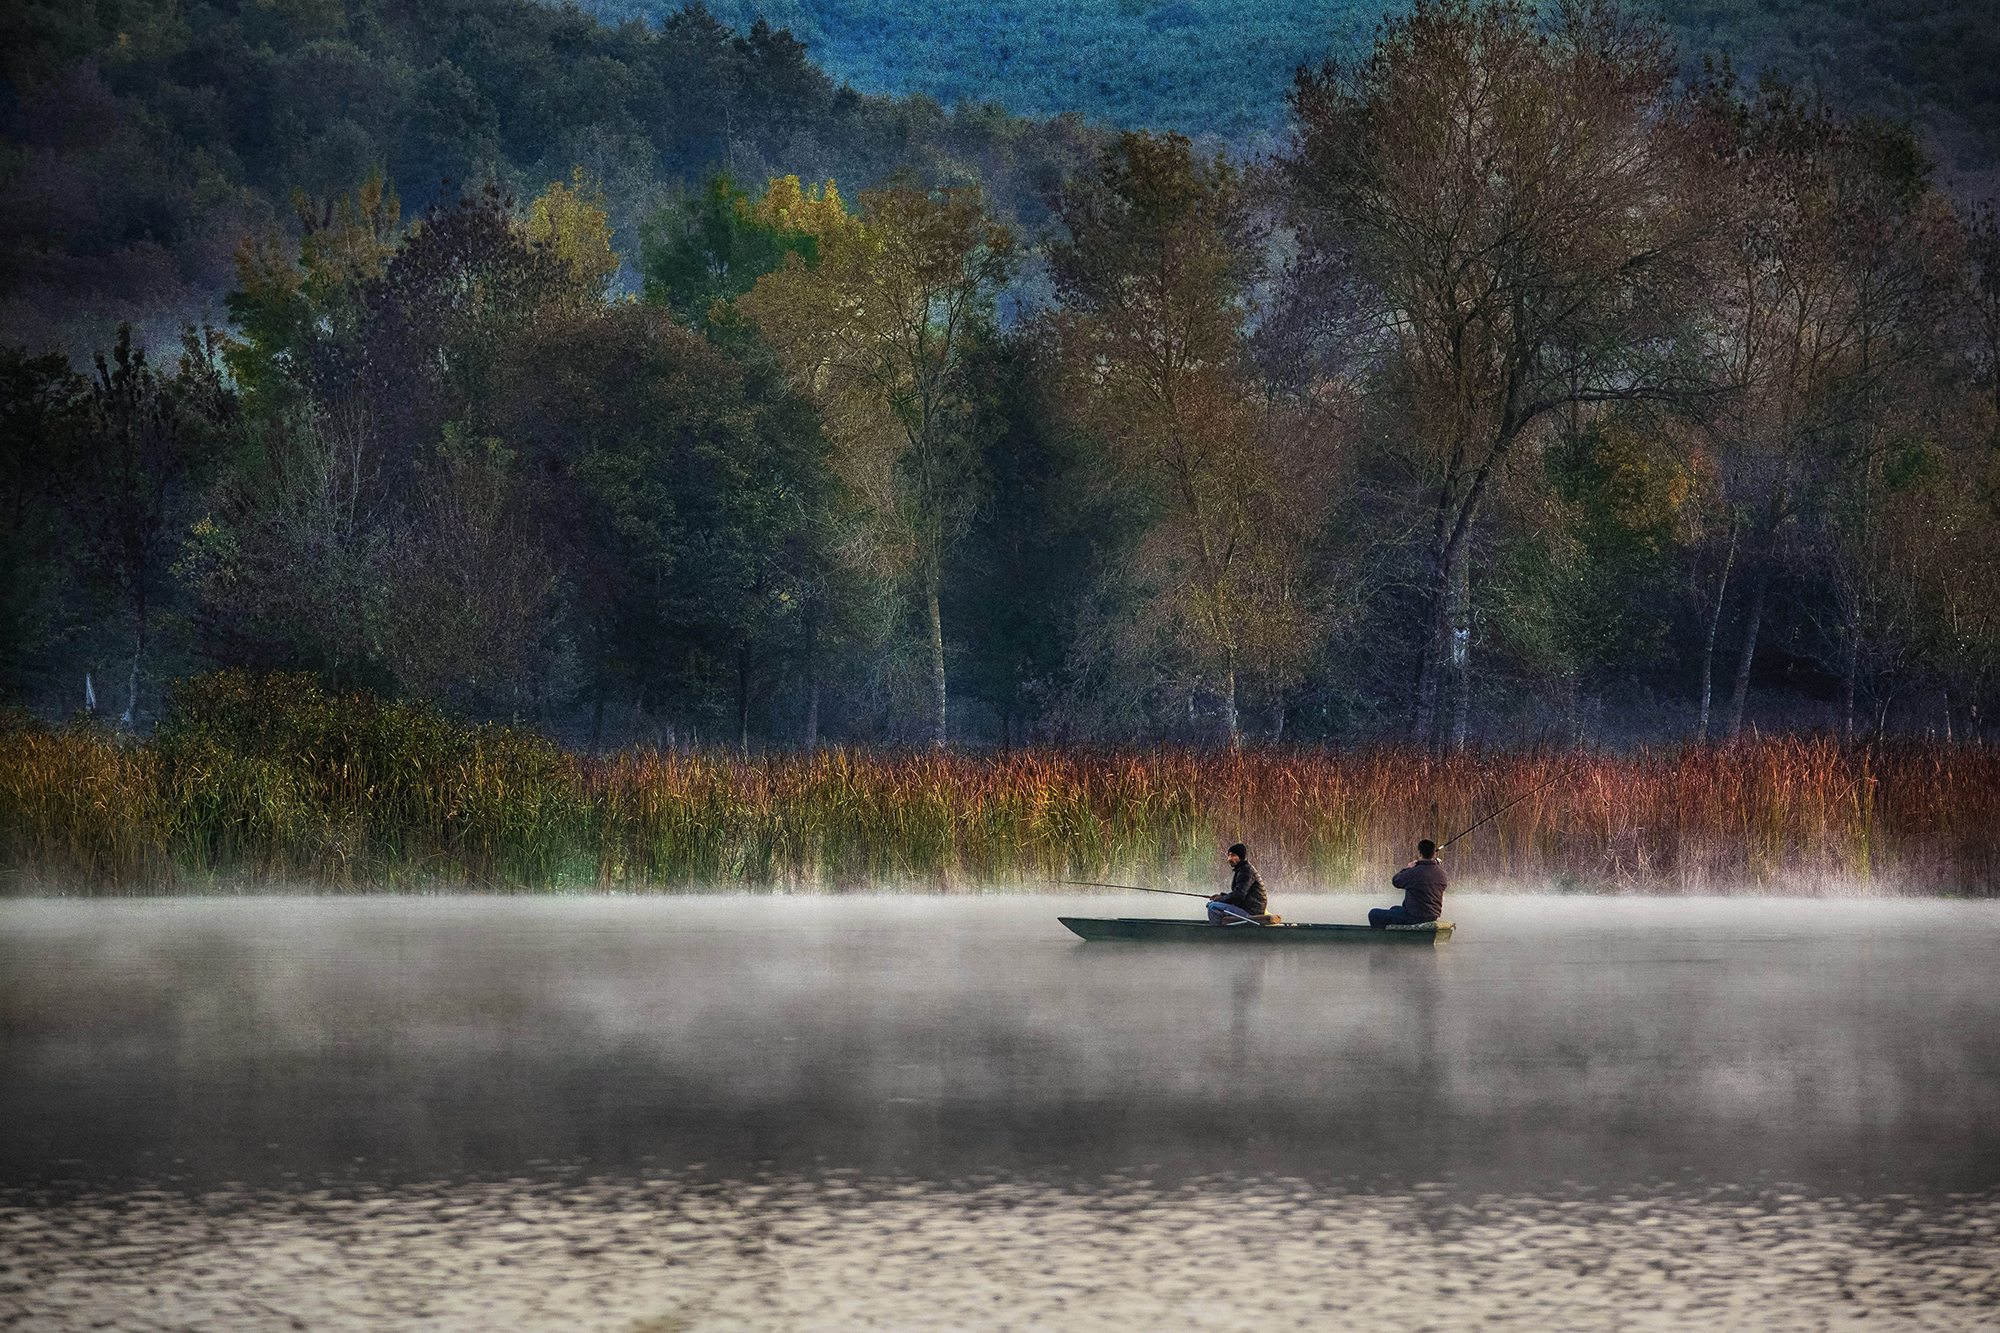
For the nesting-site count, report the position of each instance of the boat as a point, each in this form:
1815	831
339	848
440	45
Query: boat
1183	931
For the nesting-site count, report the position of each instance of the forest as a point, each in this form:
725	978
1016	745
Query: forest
1221	67
640	384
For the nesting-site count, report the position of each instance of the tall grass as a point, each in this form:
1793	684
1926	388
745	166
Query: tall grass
255	782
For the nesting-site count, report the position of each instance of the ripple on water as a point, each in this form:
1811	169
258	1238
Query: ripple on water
839	1252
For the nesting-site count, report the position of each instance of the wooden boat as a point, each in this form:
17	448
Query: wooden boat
1161	931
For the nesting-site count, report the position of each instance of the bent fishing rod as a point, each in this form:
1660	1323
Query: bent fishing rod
1571	771
1136	888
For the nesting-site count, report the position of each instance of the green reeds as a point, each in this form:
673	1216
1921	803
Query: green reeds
270	782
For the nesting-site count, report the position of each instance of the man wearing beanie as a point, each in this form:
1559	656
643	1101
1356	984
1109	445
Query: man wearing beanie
1244	902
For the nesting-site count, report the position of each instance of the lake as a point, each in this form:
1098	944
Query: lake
711	1112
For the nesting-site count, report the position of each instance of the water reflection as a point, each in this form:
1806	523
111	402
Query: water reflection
842	1250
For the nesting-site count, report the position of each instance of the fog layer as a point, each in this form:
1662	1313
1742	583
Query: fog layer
1849	1044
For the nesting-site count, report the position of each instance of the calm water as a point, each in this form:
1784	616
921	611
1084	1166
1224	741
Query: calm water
695	1113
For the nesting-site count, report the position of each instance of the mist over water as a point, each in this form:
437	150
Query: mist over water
738	1066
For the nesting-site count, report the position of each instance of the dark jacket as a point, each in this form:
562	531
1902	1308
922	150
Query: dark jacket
1423	890
1246	891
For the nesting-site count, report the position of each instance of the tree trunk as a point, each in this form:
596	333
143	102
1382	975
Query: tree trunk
1708	650
812	673
1229	699
1449	560
1436	633
1742	691
940	736
812	708
132	687
743	697
1850	672
1461	649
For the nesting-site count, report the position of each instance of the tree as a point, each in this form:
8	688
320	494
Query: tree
44	406
1517	200
572	226
879	336
1837	260
714	246
146	441
468	582
678	487
380	527
1152	277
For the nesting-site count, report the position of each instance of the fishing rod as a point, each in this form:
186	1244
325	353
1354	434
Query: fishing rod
1136	888
1568	772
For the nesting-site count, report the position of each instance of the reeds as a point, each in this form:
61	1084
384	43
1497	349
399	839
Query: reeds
272	783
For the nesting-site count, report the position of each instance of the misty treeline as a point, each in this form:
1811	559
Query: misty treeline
1530	386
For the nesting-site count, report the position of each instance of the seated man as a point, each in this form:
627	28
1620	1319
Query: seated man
1422	882
1244	902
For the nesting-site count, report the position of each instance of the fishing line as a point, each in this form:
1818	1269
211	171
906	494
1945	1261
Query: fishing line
1566	773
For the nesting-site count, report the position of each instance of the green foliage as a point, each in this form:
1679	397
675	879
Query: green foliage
713	247
276	776
42	404
694	483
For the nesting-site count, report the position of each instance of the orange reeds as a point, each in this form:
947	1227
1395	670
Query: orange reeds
350	794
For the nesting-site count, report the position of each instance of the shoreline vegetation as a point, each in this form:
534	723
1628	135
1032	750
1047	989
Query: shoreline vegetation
253	783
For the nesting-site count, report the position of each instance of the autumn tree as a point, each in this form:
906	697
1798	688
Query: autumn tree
1153	276
572	226
373	361
879	335
1513	197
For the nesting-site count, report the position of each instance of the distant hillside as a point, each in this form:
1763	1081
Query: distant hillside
1222	66
1933	62
141	140
1198	66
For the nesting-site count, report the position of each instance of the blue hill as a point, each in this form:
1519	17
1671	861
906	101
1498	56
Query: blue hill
1197	66
1222	66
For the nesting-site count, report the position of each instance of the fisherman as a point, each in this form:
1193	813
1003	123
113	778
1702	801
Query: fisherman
1422	882
1244	903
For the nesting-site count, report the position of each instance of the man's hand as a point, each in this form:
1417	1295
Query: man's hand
1215	897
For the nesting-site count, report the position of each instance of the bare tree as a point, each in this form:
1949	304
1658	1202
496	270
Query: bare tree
1836	263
